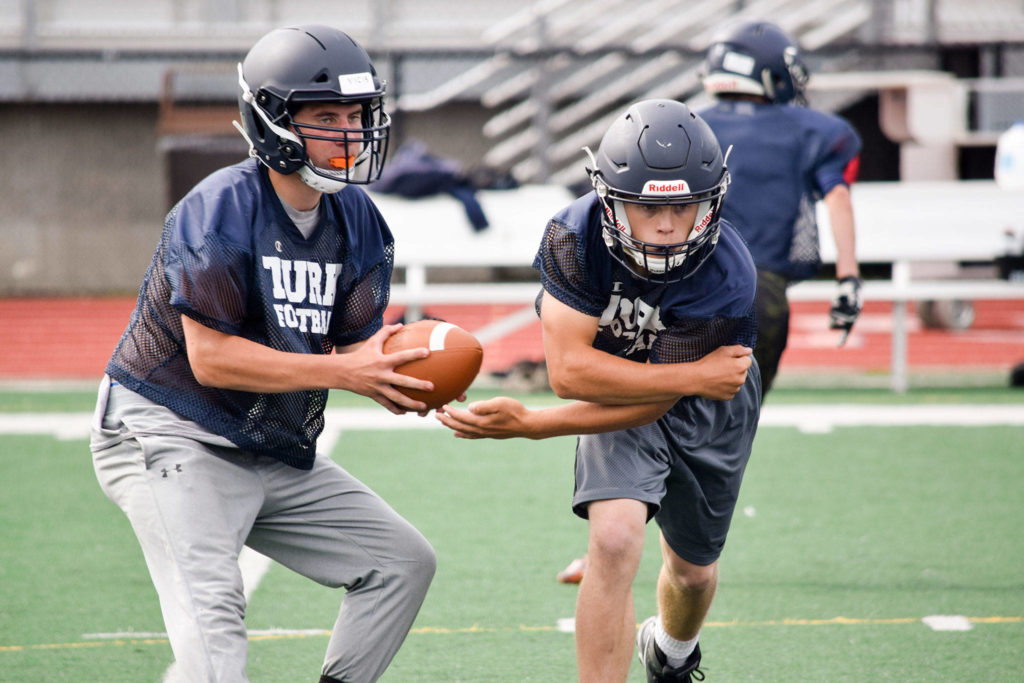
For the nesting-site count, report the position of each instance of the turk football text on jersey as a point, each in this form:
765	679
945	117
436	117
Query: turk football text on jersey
232	260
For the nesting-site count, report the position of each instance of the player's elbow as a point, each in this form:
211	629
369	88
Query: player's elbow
561	388
205	373
838	196
567	383
558	379
203	361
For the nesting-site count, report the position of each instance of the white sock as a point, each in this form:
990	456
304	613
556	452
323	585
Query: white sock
675	651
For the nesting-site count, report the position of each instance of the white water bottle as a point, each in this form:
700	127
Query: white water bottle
1010	158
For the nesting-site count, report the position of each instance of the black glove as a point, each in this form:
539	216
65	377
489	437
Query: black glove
846	305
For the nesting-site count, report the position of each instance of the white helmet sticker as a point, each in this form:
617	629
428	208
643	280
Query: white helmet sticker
356	84
666	187
738	63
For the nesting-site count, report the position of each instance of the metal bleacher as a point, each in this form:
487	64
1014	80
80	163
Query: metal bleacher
549	72
586	66
559	70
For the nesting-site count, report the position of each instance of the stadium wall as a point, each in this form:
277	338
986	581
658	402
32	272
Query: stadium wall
84	204
82	197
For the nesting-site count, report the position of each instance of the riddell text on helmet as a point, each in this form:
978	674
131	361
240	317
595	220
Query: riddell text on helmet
666	187
699	228
611	216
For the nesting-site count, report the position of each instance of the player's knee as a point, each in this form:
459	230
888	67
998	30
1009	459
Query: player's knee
426	563
691	577
616	543
419	563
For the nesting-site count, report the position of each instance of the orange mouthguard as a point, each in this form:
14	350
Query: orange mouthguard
341	162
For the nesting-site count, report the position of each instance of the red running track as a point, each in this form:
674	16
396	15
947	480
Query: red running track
65	338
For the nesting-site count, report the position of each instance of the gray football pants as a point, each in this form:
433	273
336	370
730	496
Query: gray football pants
193	505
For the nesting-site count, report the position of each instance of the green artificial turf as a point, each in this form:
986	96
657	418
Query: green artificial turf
842	542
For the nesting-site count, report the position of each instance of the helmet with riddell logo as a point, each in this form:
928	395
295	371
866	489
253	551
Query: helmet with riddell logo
290	67
659	152
756	58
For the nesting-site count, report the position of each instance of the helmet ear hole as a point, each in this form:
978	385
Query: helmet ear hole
259	131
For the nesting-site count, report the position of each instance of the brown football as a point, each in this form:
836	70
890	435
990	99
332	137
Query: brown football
453	363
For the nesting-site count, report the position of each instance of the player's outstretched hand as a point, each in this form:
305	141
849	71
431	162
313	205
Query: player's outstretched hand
496	418
724	371
371	373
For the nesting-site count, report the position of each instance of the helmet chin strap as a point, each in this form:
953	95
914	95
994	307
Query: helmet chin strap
240	129
319	182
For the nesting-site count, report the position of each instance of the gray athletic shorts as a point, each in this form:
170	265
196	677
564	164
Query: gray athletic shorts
687	467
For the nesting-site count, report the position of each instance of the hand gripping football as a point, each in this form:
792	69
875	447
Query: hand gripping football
453	363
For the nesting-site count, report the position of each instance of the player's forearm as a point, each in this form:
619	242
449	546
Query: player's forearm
229	362
599	377
840	210
581	417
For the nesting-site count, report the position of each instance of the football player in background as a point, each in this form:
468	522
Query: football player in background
208	417
648	318
785	158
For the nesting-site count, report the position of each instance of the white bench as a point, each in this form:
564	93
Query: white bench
913	225
907	225
434	233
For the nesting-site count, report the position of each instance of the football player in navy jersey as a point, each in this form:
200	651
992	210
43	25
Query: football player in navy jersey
267	289
647	313
785	158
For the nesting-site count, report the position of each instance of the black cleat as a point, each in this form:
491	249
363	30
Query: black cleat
651	656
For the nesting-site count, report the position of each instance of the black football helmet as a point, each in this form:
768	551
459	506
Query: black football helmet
659	152
289	67
756	58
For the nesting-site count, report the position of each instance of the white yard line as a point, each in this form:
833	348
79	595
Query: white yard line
808	418
945	622
824	418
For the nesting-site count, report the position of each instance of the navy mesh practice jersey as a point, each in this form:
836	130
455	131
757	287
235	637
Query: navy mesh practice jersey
640	320
231	259
783	160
